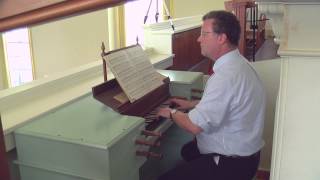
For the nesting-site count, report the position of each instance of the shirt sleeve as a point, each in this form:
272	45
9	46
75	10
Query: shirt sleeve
213	106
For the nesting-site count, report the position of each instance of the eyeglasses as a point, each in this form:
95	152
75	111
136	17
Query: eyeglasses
204	33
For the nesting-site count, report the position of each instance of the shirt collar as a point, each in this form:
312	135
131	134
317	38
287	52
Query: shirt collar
225	58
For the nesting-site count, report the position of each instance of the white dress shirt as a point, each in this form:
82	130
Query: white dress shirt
232	109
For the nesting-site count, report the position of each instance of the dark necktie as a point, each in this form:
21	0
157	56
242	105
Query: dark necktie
210	70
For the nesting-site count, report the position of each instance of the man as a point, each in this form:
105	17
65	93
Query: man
228	120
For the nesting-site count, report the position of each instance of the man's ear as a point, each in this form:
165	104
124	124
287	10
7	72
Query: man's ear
222	38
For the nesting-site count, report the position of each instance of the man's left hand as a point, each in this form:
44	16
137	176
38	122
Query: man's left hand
164	112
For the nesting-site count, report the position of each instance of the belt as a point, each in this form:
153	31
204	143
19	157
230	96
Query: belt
237	156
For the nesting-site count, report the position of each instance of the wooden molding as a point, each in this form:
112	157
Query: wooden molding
10	8
47	11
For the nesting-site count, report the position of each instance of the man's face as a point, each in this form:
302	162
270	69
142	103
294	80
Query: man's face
209	40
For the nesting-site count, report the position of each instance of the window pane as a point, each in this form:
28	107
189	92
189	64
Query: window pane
18	56
135	12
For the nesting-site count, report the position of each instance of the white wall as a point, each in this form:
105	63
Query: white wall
68	43
269	73
71	42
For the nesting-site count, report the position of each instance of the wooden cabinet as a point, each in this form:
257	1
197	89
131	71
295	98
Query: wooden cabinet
182	42
186	49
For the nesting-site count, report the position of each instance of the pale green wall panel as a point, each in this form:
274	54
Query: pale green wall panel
183	8
68	43
269	73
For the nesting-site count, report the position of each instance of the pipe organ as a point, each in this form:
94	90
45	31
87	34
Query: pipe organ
86	139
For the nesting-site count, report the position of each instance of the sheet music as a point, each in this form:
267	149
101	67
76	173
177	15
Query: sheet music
134	72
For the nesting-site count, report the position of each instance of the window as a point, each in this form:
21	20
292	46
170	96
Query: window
134	16
18	56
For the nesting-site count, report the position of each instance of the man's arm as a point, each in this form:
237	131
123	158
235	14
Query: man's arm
184	104
181	119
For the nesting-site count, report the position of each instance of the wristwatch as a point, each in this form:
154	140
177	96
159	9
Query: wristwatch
172	111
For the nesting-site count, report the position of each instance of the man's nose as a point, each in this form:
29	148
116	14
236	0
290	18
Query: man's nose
199	39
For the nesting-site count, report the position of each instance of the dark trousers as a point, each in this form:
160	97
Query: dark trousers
203	167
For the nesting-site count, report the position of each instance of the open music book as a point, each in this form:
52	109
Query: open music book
133	71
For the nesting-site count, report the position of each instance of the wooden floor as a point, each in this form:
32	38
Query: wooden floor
263	175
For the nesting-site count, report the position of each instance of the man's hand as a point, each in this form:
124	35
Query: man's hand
181	119
183	104
164	112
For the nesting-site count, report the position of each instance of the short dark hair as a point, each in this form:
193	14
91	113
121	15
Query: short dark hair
227	23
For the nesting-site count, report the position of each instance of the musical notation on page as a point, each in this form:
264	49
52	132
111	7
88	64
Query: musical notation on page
134	72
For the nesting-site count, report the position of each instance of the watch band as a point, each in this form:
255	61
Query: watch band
172	111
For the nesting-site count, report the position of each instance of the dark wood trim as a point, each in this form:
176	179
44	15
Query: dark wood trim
10	8
51	11
4	166
186	49
251	38
238	7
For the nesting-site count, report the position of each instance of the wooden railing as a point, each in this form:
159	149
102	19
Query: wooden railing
252	26
14	14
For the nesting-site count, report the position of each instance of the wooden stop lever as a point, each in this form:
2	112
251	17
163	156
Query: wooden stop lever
151	133
197	90
149	154
147	143
195	98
